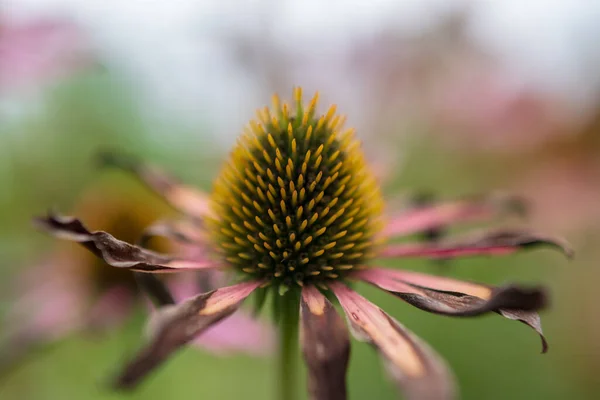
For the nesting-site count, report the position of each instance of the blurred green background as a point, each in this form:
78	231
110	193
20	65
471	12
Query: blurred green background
46	161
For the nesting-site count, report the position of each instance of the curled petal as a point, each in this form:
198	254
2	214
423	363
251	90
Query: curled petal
454	302
469	210
116	252
181	197
459	298
174	326
417	370
240	333
530	319
492	243
325	345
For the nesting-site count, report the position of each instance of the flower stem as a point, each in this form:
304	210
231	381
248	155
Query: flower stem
288	346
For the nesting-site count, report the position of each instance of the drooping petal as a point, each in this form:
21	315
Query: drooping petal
185	199
491	243
174	326
116	252
325	345
454	302
416	369
240	333
452	297
469	210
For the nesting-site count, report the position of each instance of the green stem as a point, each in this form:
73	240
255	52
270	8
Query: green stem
288	346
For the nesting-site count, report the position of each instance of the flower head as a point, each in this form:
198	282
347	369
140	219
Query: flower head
296	210
296	204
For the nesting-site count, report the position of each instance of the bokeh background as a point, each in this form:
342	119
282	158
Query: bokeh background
449	97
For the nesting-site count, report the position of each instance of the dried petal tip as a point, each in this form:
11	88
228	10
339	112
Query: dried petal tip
60	226
525	239
519	298
115	252
451	297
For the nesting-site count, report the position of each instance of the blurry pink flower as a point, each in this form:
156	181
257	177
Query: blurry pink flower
72	292
568	192
35	52
489	109
562	179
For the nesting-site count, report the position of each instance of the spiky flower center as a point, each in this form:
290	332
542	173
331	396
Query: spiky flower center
296	202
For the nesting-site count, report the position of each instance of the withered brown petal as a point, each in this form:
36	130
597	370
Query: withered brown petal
325	345
183	198
475	208
452	297
491	243
417	370
116	252
174	326
531	319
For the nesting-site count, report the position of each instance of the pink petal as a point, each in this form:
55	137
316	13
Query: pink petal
325	346
490	243
460	298
238	333
172	327
454	302
382	275
416	369
474	209
435	251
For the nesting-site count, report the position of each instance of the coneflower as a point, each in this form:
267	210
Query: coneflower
297	212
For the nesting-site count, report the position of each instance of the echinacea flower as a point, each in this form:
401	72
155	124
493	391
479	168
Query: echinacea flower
296	212
71	291
36	52
485	109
